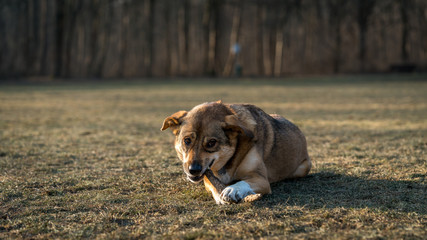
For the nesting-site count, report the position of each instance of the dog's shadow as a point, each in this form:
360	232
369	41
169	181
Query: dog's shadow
330	190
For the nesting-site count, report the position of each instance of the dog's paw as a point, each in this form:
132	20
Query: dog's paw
235	193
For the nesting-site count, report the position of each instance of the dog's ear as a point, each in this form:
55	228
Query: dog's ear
174	121
235	127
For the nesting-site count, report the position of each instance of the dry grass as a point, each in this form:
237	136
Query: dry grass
88	160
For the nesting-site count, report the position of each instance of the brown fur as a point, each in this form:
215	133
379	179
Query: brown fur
252	150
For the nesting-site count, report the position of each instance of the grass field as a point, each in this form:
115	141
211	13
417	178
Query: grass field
88	160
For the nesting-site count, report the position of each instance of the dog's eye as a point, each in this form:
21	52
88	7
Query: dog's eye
211	143
187	141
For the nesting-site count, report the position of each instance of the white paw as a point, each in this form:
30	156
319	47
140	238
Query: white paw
235	193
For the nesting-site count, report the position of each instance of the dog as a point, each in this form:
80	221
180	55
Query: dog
246	148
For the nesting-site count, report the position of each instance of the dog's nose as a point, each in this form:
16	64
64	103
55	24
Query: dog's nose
195	169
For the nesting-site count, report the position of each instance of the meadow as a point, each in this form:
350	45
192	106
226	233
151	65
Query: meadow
87	159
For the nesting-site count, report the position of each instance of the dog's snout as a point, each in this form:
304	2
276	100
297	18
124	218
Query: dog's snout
195	169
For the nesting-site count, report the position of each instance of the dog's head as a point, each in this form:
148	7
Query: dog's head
205	137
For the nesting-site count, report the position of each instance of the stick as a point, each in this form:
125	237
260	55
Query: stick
219	186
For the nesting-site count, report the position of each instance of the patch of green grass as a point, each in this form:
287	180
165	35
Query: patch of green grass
87	160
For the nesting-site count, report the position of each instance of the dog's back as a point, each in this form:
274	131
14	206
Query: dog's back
282	145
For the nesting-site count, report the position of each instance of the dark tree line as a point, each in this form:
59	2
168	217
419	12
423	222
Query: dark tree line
148	38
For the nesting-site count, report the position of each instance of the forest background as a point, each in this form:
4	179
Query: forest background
194	38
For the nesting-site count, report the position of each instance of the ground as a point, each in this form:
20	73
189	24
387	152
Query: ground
88	160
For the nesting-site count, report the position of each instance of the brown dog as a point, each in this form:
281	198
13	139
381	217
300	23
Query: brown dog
245	148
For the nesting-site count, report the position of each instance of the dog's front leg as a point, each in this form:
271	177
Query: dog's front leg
231	194
256	185
236	192
252	174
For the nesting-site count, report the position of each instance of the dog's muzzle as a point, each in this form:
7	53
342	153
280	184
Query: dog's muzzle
196	172
195	169
195	179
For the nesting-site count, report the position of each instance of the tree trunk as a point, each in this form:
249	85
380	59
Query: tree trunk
233	40
258	44
149	55
210	19
365	8
266	43
278	52
405	29
337	50
337	11
183	38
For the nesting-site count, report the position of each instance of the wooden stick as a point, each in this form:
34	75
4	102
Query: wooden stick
219	186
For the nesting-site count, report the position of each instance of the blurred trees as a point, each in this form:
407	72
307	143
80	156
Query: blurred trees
146	38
